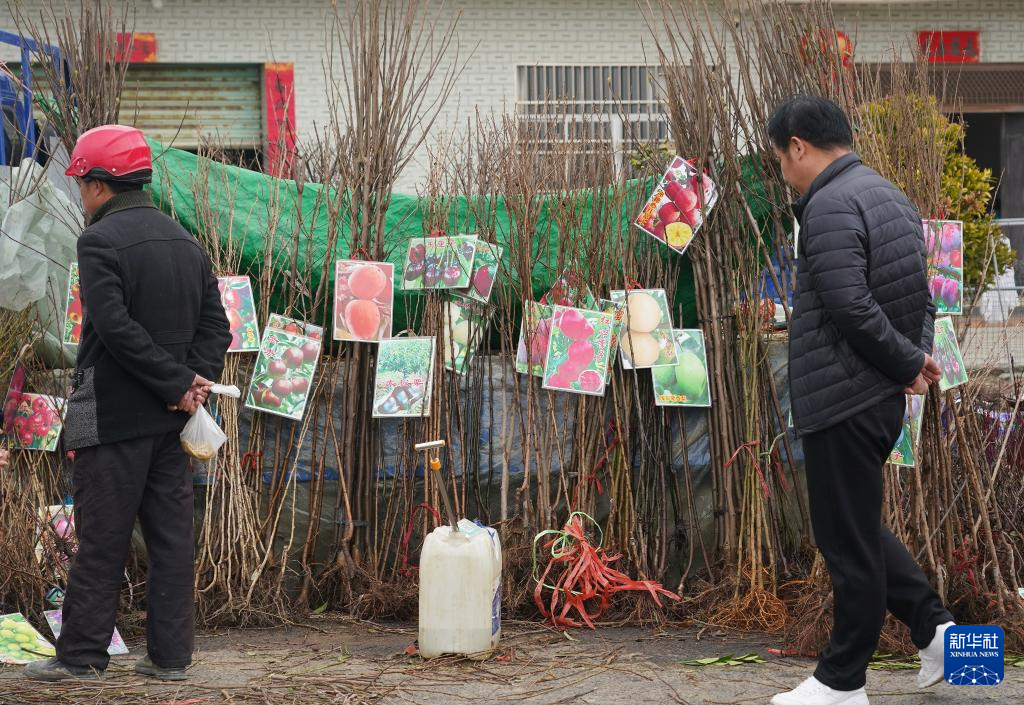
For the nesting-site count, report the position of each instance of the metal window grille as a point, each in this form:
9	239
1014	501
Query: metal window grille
602	106
969	87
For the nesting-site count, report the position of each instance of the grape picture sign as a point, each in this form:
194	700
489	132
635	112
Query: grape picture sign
240	308
363	300
20	643
439	262
404	377
679	205
944	244
578	351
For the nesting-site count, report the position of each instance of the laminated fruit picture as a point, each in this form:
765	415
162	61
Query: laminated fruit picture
55	618
618	313
295	326
645	338
904	453
363	300
679	205
944	241
462	328
56	541
485	272
33	421
73	308
20	643
685	383
283	374
947	354
532	351
569	290
240	308
441	262
578	351
404	378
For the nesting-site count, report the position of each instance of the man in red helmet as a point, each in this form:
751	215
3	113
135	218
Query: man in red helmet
154	335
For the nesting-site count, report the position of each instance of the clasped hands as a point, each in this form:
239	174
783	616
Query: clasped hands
194	398
930	372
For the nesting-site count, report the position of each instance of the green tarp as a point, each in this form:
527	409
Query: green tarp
250	210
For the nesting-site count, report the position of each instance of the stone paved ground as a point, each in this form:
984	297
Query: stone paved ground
341	661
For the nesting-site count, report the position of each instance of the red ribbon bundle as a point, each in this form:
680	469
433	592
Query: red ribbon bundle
584	574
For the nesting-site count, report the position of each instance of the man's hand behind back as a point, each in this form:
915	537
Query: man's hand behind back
195	397
930	372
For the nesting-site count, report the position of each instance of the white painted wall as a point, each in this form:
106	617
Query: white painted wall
503	34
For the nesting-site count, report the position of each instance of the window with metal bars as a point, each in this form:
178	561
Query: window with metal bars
604	111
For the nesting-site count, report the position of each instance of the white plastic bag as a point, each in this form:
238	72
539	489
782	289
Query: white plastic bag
202	438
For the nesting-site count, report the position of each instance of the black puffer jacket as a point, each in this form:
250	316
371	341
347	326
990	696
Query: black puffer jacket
153	320
862	314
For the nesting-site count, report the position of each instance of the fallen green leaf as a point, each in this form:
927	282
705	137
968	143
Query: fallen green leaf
727	660
321	609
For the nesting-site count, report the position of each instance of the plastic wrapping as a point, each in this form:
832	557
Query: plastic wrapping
202	437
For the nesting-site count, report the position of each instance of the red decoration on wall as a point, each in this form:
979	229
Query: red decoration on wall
950	47
829	42
140	47
279	100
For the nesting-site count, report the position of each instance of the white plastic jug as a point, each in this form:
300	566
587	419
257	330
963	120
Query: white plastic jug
460	591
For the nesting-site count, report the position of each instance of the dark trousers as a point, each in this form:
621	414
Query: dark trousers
871	570
112	484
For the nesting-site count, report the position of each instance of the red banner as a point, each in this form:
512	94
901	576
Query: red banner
139	48
279	100
950	47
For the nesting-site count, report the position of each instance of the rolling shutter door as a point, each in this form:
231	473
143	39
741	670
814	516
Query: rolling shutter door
185	105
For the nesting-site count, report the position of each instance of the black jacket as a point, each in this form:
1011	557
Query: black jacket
153	319
862	314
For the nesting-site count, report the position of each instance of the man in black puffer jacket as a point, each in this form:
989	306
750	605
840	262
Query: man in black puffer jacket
860	338
154	335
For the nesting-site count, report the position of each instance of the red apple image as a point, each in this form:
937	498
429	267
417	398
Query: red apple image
282	387
267	398
299	385
668	213
294	357
310	351
277	368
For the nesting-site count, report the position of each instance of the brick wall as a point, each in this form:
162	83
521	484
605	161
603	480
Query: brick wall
502	35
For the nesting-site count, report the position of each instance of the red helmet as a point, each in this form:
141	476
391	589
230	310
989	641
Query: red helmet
112	153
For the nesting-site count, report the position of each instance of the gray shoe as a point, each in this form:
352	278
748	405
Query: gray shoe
146	667
52	669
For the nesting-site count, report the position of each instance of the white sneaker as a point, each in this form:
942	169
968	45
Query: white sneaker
814	692
933	658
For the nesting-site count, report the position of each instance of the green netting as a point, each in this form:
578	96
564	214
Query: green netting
252	210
